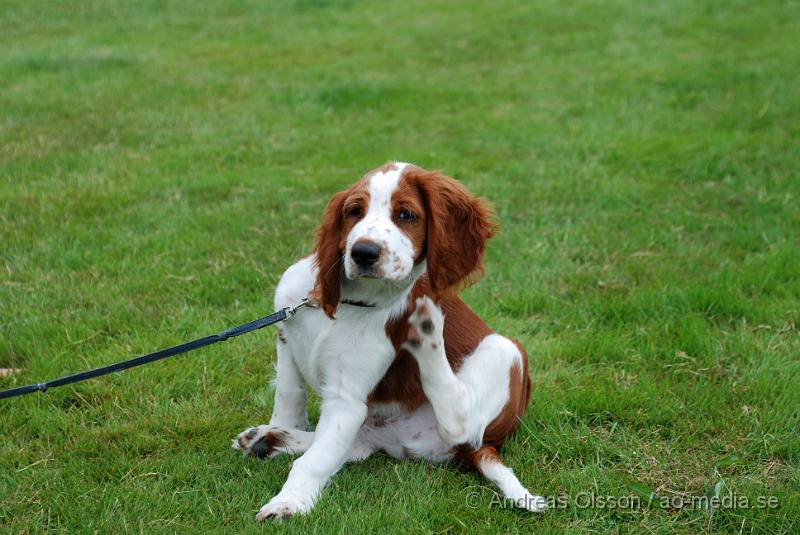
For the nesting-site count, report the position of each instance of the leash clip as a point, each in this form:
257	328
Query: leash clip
291	311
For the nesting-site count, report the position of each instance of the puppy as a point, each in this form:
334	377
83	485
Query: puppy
400	362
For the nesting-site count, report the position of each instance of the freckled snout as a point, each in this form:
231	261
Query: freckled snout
365	253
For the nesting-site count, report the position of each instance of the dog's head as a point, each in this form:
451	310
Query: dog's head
394	218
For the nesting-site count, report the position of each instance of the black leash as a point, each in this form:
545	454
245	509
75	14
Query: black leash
275	317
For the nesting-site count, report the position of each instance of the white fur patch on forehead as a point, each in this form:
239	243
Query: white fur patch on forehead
383	184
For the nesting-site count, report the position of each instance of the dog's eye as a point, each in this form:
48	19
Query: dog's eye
405	215
354	211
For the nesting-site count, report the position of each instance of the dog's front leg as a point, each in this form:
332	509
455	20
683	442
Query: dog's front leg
339	423
290	390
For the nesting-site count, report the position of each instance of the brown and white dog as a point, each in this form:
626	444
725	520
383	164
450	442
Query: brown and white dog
400	363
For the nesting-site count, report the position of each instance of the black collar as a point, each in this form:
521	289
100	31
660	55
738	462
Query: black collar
356	303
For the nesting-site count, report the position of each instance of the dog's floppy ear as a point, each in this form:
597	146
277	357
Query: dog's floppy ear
459	224
329	247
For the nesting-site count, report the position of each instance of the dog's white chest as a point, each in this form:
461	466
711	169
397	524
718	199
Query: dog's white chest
353	351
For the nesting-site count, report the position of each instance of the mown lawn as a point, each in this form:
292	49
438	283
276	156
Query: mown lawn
162	162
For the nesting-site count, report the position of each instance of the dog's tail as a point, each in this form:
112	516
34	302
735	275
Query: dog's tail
486	460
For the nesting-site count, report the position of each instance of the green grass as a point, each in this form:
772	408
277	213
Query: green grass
162	162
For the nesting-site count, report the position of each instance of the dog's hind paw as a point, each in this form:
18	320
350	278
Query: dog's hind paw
426	328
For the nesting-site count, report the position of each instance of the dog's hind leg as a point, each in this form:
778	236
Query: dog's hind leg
487	462
481	402
468	401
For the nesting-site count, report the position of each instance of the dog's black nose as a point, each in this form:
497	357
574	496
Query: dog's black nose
365	253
